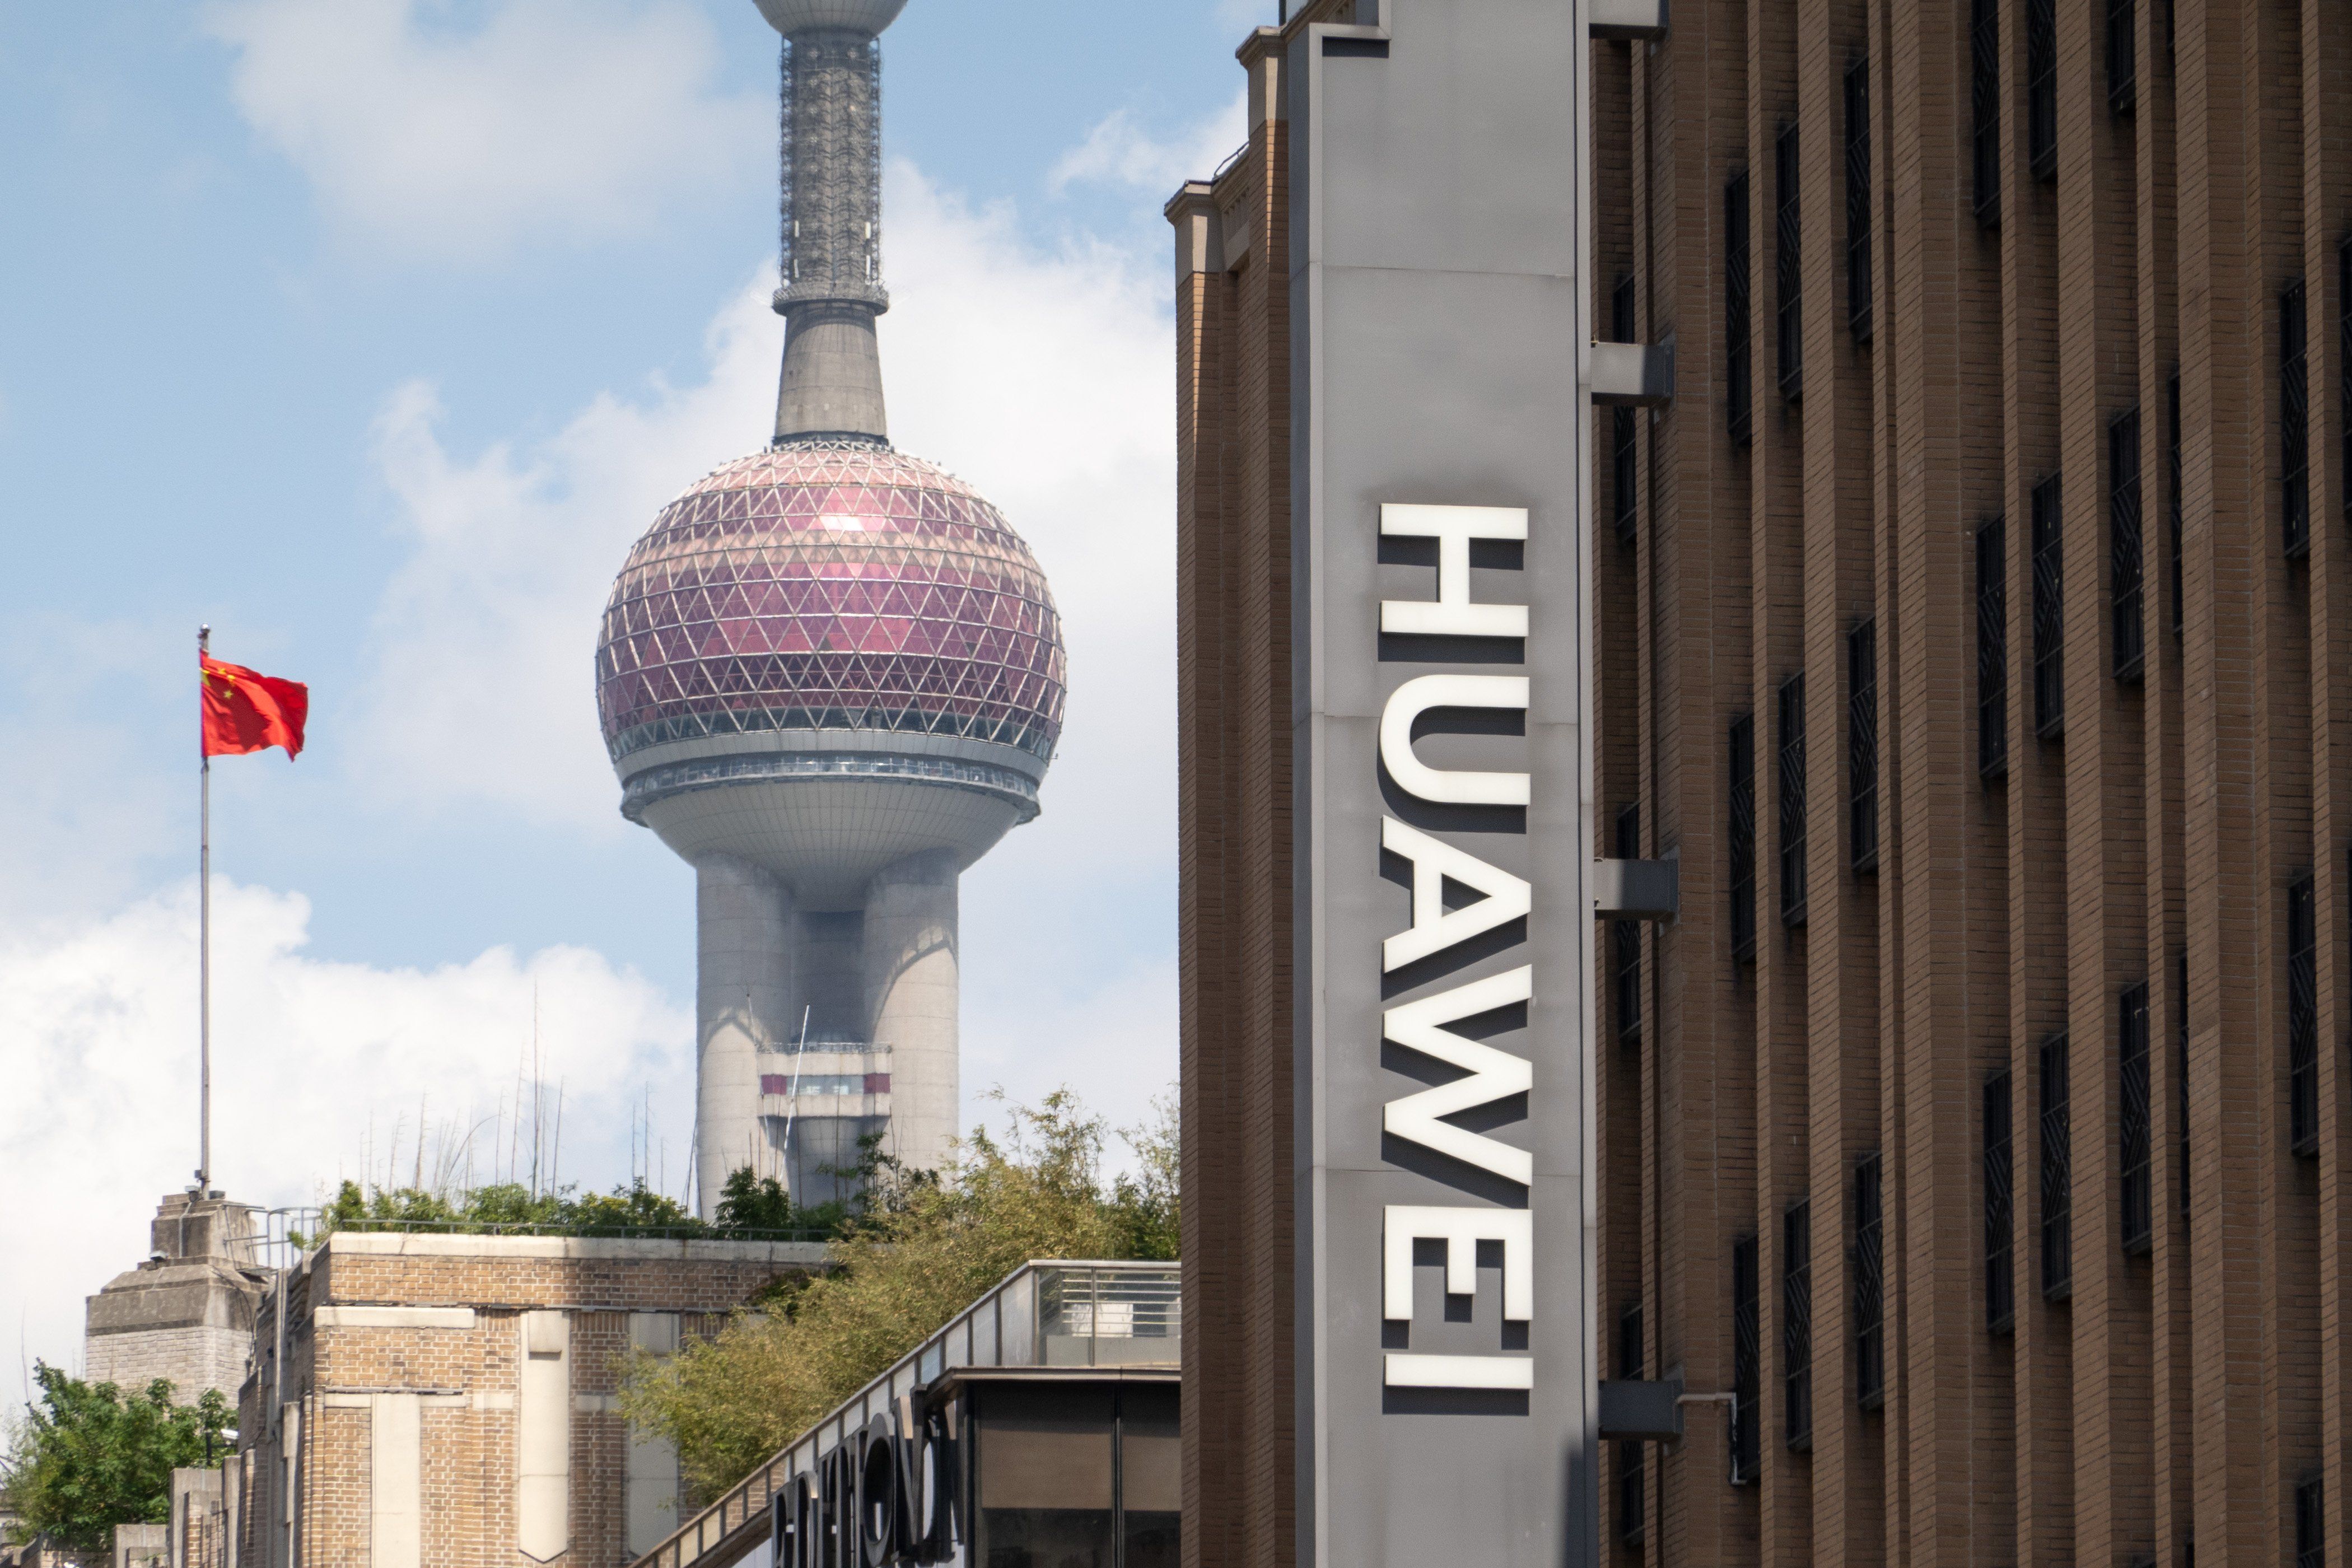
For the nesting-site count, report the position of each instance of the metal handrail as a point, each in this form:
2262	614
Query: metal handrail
728	1524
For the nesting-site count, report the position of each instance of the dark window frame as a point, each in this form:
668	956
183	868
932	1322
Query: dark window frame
2177	517
1625	939
1624	424
2041	88
2123	58
2302	1015
2126	549
1869	1282
1862	745
2048	562
2138	1145
1984	97
1789	753
1787	263
2294	421
1632	1511
1746	1362
1992	648
2000	1206
2057	1170
2344	357
1858	281
2180	1073
1738	312
1742	838
1797	1321
2310	1523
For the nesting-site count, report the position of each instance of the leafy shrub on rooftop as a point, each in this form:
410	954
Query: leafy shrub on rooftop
87	1457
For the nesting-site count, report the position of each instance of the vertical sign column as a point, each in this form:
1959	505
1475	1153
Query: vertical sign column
1443	842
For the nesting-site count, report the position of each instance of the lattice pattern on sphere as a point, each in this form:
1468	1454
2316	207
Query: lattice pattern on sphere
835	586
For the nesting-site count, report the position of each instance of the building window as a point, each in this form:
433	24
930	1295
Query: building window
2049	611
1861	743
2294	424
1743	838
2123	58
1631	1508
1625	939
1787	258
1625	450
1797	1320
1992	651
2180	1069
2126	567
2057	1174
1747	1363
1741	390
2000	1275
1869	1286
1984	99
2041	87
2172	479
2139	1208
1857	200
2310	1525
2302	1015
1793	800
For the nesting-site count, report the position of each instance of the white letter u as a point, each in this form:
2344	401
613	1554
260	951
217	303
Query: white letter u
1418	695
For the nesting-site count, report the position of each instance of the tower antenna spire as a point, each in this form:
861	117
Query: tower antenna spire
831	289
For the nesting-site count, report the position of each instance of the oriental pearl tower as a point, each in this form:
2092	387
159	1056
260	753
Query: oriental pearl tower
831	678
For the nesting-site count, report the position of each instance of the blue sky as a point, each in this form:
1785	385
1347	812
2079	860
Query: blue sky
372	333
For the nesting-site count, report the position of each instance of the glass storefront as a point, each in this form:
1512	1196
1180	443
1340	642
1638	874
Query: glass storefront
1074	1474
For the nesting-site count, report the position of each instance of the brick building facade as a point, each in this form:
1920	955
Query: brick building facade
1975	629
449	1399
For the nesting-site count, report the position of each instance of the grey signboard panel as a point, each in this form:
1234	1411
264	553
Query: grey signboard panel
1446	1394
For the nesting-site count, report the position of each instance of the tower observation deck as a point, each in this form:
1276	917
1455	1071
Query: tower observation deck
831	678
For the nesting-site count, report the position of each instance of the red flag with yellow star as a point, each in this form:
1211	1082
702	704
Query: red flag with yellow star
247	711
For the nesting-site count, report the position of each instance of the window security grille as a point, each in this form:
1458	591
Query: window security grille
1857	200
2049	611
2123	58
1747	1364
1861	743
1869	1286
2041	87
2294	424
2138	1206
2303	1016
2310	1525
2126	561
1787	263
2172	482
1984	99
1743	837
1793	800
2057	1174
1741	391
1625	939
1992	651
2180	1069
1797	1320
1631	1508
1624	428
2000	1269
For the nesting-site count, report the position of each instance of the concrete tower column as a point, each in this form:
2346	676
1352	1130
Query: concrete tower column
743	1000
910	990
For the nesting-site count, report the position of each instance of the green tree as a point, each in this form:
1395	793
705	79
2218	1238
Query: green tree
925	1247
89	1456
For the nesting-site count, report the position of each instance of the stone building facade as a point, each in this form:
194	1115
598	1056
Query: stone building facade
1975	629
185	1315
448	1399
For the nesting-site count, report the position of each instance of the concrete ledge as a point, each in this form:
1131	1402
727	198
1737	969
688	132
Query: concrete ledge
394	1317
578	1248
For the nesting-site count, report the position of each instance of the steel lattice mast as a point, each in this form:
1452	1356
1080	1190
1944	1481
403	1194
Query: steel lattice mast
832	216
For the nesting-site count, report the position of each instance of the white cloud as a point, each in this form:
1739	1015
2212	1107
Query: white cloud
574	119
1118	151
321	1069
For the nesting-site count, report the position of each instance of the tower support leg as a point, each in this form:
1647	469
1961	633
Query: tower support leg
743	1004
911	983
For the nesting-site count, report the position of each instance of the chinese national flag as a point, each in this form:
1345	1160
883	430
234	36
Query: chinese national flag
247	711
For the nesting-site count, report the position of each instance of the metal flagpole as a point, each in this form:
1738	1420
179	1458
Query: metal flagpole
204	932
